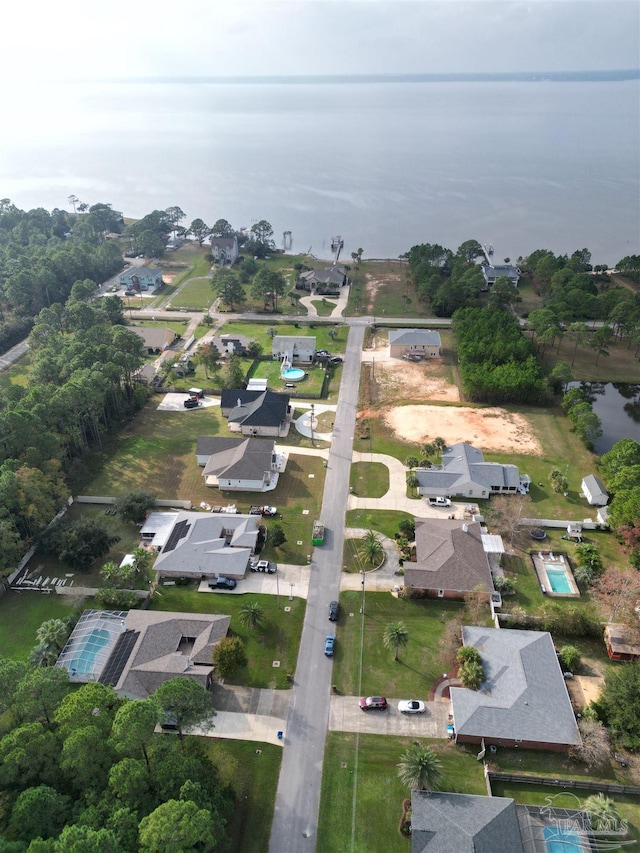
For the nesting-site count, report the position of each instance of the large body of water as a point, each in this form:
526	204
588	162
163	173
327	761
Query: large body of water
618	407
522	165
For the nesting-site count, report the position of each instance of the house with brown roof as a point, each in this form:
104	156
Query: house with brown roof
621	643
156	339
138	650
450	559
224	249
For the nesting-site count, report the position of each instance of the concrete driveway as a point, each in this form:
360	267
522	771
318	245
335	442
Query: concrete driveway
345	716
289	580
175	403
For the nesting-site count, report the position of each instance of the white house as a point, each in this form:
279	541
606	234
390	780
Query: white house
465	474
301	348
594	491
224	249
239	464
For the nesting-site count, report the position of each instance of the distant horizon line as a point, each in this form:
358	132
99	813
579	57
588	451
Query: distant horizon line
611	75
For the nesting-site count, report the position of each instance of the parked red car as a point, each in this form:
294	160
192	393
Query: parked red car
373	703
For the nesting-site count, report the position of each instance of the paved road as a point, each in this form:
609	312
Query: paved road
297	804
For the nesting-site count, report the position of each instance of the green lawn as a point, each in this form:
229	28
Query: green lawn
383	521
361	802
324	306
278	638
18	373
196	295
420	663
259	331
22	613
252	770
270	370
369	479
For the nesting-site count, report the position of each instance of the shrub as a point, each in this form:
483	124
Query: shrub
569	658
110	598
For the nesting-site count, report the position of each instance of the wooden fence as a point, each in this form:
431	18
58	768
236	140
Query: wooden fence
579	784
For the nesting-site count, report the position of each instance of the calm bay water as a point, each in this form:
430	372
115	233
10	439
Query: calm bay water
520	165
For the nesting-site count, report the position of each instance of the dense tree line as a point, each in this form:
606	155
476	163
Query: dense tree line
573	291
81	388
579	409
497	362
83	770
620	468
447	280
43	254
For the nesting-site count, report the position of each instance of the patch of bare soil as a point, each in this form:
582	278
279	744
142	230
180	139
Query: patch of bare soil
488	429
398	380
374	283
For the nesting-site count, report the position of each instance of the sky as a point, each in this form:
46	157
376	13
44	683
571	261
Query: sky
144	38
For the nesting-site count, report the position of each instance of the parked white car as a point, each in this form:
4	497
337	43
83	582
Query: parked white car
439	501
411	706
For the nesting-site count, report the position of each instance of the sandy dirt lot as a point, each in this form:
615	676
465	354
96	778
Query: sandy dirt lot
487	429
375	282
399	380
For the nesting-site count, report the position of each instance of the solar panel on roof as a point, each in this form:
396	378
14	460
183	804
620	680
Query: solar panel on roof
118	659
179	532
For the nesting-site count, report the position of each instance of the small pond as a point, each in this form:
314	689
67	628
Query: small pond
617	405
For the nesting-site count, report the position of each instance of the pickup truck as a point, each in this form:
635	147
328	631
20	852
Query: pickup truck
267	511
439	501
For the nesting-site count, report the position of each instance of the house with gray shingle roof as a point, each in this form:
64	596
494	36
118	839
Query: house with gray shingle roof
464	473
450	559
462	823
417	343
264	413
523	701
594	491
224	249
239	464
199	545
163	645
141	279
295	348
492	272
323	281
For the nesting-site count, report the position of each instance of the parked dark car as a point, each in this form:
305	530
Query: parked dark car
336	359
334	610
373	703
191	404
222	583
329	645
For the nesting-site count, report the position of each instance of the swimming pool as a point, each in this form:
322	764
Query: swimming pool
558	578
292	374
558	840
83	661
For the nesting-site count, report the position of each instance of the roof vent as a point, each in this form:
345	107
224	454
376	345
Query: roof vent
465	528
187	663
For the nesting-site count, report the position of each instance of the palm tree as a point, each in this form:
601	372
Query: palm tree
395	637
602	812
420	768
251	614
53	634
411	462
371	549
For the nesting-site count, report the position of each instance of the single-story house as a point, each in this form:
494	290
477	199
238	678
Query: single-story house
294	348
137	650
492	272
198	545
450	559
464	473
463	823
323	281
414	342
594	491
264	413
141	279
155	339
239	464
524	700
621	643
224	249
231	344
